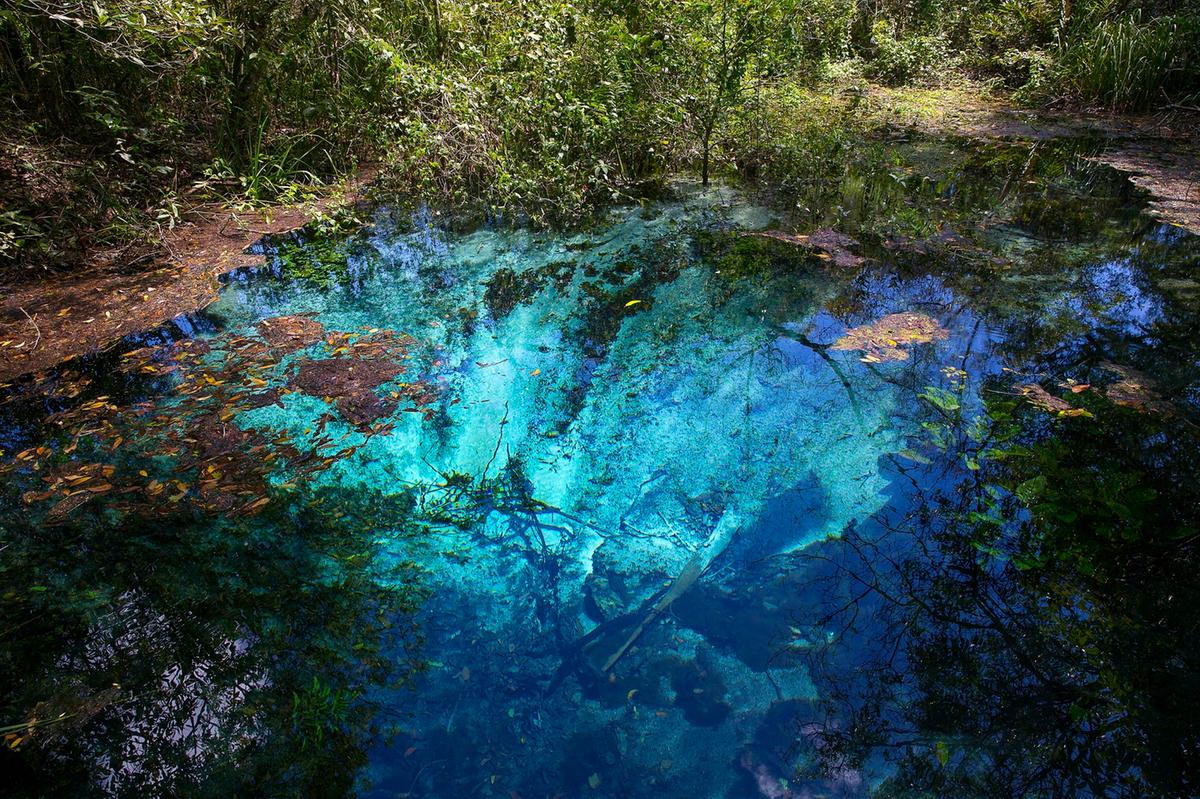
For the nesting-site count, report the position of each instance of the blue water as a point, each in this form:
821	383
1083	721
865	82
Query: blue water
633	458
668	406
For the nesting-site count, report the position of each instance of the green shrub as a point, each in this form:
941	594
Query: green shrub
820	30
1009	41
912	59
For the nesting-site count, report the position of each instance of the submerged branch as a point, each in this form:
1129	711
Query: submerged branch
820	350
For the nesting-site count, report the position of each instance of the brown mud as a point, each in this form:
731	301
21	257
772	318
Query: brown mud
1169	174
828	245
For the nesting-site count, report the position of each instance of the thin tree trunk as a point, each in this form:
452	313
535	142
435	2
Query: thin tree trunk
239	132
439	45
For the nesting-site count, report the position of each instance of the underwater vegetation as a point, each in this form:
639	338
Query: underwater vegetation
713	498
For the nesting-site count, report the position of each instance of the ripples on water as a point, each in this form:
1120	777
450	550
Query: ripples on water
630	512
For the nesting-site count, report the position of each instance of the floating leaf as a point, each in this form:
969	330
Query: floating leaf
1041	398
289	333
1135	390
888	338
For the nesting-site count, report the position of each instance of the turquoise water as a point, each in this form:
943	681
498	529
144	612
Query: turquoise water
658	410
649	509
620	410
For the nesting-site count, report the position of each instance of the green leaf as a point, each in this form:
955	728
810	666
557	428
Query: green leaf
1031	490
940	398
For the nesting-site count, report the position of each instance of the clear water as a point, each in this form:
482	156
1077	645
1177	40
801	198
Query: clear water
652	403
647	528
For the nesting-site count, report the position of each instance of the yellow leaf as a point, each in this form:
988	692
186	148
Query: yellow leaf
632	303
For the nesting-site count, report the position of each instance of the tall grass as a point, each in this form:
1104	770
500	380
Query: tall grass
1127	64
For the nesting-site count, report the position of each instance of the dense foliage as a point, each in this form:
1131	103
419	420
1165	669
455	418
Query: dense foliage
122	113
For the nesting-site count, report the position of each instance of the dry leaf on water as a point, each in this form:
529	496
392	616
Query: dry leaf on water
888	338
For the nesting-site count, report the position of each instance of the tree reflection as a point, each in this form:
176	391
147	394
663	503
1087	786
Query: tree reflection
196	656
1026	626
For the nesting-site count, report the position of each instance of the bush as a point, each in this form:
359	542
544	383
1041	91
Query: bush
821	29
1009	41
913	59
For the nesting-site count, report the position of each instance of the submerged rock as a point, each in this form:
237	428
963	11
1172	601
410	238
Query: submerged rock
1135	390
700	692
614	588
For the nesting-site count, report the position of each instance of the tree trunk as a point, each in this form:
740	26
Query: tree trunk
438	43
15	56
238	133
233	130
704	157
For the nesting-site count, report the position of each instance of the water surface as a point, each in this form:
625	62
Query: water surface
664	507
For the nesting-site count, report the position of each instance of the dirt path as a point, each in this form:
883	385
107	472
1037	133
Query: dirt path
45	323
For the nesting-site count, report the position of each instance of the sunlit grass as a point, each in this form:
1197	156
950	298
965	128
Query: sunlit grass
1127	64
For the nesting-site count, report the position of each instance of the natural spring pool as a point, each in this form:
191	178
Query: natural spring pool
680	505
